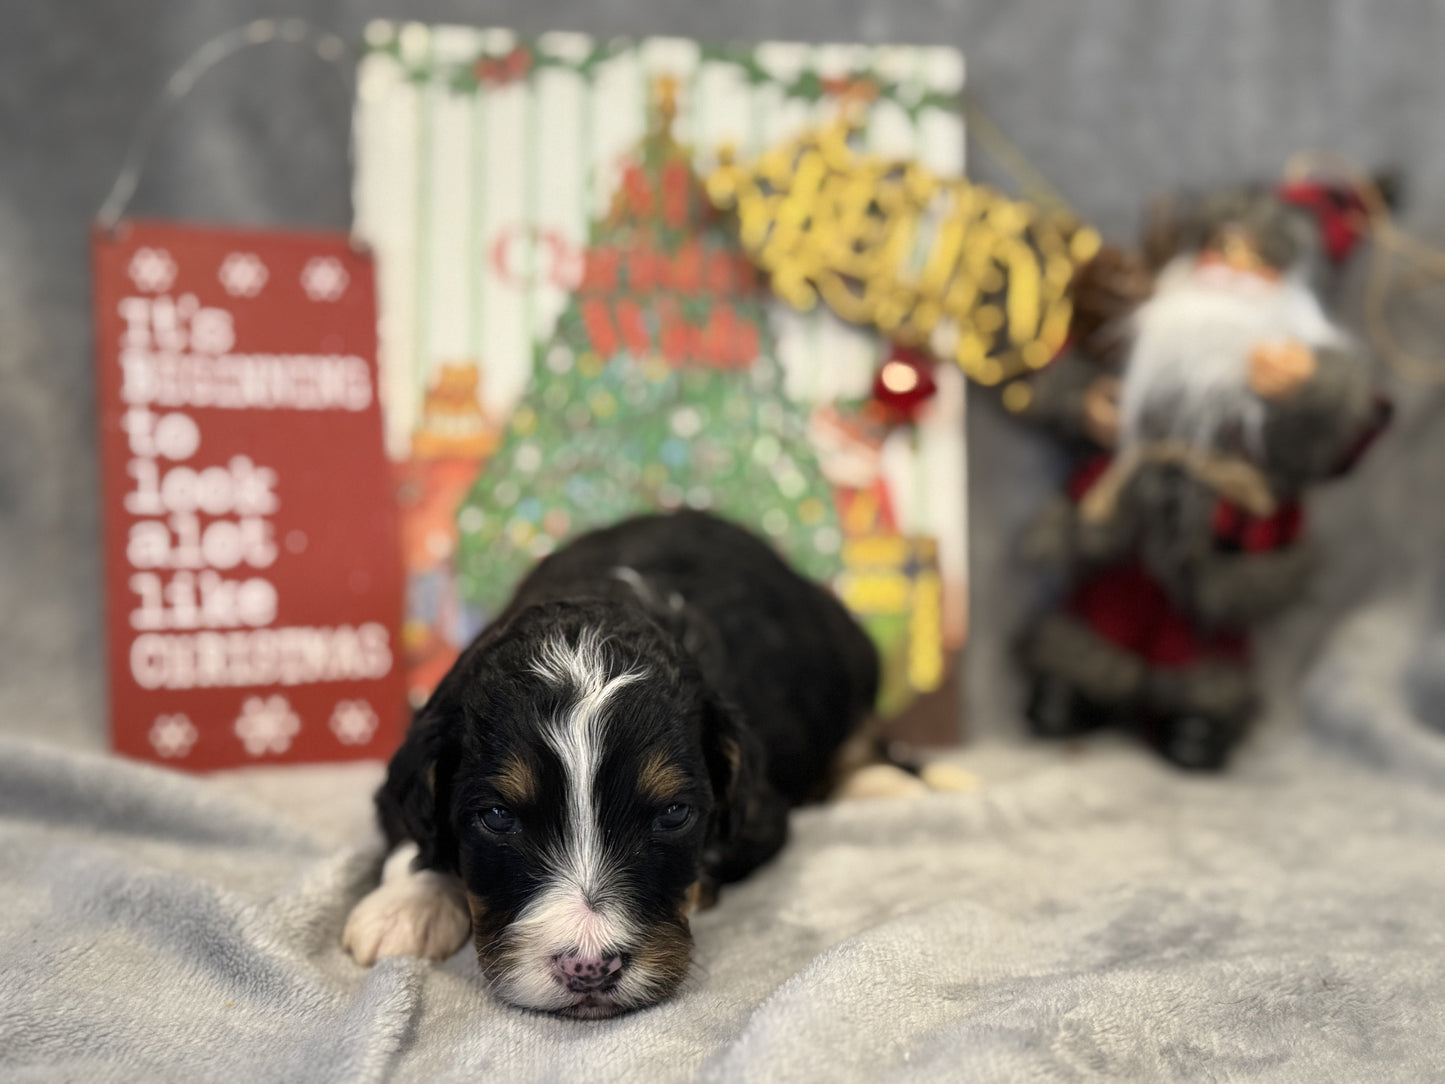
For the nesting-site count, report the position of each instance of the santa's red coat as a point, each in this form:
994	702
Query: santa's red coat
1126	605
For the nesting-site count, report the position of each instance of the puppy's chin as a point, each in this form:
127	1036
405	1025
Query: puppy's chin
517	962
593	1007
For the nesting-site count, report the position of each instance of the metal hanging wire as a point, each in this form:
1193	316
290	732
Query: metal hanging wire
329	47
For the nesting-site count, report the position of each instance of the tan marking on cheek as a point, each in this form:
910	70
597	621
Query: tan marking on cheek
660	779
516	782
691	901
478	910
662	961
486	931
701	895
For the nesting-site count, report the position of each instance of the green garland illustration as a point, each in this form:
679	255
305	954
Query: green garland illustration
527	57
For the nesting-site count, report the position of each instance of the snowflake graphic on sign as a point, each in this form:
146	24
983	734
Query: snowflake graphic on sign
243	274
172	736
324	279
353	722
267	725
152	270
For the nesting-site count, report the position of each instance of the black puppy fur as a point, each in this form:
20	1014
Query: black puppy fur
628	733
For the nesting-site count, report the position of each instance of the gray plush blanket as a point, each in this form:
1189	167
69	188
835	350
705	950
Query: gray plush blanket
1083	914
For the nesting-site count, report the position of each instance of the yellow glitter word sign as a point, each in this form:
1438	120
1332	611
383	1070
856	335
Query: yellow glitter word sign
929	261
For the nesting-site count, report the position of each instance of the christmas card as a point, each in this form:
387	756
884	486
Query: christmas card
572	332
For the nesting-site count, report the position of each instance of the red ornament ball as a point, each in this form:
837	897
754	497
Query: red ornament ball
904	384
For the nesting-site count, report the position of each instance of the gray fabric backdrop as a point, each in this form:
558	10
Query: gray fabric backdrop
1114	100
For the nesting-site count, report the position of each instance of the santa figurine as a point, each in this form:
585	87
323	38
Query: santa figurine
1213	389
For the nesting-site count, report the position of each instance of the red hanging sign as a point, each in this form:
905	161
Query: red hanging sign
253	573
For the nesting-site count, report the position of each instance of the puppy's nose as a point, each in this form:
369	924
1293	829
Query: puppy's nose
584	974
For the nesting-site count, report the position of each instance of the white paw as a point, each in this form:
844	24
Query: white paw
419	914
940	775
879	781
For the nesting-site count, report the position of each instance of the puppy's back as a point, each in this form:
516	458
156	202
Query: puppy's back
778	645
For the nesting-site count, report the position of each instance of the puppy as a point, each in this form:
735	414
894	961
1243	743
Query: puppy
629	733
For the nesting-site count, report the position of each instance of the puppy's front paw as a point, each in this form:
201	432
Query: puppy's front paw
879	781
420	914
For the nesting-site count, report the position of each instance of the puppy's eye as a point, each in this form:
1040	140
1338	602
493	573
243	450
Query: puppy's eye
502	822
674	818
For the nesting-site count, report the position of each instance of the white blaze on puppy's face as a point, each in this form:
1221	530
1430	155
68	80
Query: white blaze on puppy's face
577	912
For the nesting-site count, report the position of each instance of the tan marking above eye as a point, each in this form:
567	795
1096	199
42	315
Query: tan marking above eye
660	779
515	781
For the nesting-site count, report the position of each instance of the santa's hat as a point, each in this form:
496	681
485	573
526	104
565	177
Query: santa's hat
1339	210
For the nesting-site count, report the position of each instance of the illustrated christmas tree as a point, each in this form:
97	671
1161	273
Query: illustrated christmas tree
660	388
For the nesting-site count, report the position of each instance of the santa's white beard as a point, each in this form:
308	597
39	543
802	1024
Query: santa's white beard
1187	376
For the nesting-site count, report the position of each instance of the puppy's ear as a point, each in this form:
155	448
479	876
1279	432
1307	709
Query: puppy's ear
414	801
750	819
731	766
